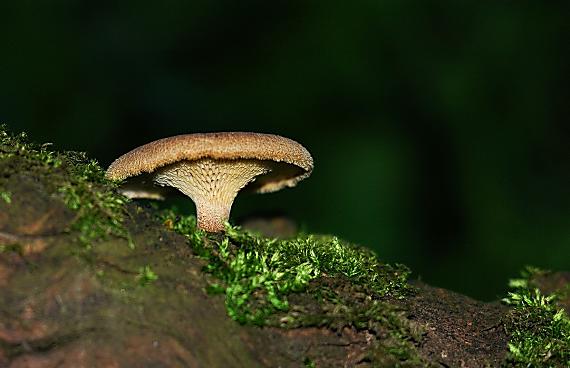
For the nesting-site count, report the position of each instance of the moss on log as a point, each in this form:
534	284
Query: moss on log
90	279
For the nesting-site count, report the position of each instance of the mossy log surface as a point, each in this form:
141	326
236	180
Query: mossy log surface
65	304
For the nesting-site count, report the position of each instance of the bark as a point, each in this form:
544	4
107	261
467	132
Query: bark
63	304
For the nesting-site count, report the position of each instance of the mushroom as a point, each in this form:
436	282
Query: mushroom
211	168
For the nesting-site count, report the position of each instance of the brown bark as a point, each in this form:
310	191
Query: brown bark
62	305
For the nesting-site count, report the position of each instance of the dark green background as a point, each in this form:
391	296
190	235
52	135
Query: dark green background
439	129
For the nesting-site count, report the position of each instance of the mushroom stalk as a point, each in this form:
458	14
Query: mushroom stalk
212	216
212	185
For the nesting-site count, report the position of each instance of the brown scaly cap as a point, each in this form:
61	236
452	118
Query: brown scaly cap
227	145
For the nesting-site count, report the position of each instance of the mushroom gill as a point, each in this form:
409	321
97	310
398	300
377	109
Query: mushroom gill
212	185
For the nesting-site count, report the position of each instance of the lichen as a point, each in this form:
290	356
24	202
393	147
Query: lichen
78	181
539	330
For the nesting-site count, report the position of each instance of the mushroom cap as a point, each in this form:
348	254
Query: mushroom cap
291	162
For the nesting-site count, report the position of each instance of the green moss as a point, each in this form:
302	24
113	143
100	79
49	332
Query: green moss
6	196
311	280
256	274
353	308
16	248
77	180
100	210
539	331
309	363
306	281
146	276
17	146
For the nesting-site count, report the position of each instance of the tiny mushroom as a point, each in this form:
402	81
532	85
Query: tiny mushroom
211	168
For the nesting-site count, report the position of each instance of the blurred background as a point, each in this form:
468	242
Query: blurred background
439	129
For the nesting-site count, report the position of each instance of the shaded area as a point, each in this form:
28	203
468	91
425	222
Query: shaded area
438	128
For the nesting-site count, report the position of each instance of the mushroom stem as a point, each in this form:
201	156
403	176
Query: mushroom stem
212	216
212	185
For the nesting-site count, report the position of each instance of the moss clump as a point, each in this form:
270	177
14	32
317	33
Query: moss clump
308	281
100	209
308	363
146	276
6	197
75	179
539	331
354	305
256	274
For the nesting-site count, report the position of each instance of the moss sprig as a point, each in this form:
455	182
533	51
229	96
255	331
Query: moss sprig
539	330
18	145
256	273
80	182
100	210
6	196
146	276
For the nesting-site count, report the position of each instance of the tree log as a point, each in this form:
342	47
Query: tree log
65	302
